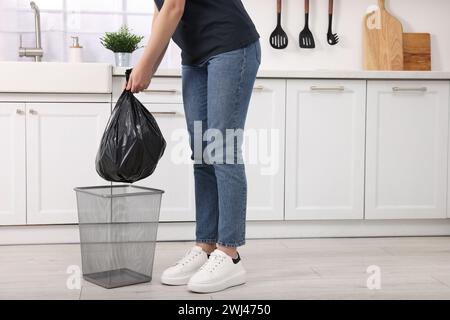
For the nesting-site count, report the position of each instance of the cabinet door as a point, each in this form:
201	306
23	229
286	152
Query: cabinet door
263	146
325	149
12	164
62	142
263	151
407	132
174	173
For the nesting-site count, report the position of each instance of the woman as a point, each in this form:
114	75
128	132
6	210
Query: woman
220	58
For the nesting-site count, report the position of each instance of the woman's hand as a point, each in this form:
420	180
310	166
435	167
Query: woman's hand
164	25
140	78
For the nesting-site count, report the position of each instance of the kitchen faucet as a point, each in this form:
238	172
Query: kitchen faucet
36	52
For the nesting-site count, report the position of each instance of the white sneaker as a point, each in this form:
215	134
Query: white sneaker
179	274
218	273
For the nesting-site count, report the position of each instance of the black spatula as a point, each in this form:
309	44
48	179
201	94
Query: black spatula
306	36
332	38
278	38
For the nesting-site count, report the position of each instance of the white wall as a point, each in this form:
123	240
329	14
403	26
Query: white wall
431	16
416	16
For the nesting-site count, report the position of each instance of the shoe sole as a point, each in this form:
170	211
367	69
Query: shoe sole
180	281
233	281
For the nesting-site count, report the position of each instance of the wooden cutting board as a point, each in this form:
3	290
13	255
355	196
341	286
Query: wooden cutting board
417	51
383	40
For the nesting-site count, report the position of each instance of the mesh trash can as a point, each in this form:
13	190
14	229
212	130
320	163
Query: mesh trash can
118	228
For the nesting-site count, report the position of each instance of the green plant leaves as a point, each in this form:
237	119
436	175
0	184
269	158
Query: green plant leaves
121	41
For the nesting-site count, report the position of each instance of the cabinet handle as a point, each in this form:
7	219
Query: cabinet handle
171	91
399	89
20	112
337	88
33	112
164	113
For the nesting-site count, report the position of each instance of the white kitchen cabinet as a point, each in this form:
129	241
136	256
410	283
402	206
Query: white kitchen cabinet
161	90
174	173
407	146
62	141
325	129
263	150
12	164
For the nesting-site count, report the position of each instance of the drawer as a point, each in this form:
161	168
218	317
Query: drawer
166	110
161	90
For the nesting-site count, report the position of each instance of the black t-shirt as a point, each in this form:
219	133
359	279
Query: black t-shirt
211	27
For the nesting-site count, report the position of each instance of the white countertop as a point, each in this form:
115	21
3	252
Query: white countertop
322	74
56	77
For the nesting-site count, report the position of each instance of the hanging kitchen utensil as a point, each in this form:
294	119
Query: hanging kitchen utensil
306	36
278	38
332	38
383	40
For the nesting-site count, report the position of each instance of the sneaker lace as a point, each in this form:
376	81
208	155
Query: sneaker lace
214	261
188	257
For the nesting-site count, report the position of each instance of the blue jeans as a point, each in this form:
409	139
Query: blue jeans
216	96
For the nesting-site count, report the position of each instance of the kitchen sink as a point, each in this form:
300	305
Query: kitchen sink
55	77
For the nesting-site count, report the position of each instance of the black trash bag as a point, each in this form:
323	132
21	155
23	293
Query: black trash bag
132	143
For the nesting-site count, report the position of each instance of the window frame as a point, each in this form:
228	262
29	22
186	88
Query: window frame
123	13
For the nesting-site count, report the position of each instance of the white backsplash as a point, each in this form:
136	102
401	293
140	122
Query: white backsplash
88	19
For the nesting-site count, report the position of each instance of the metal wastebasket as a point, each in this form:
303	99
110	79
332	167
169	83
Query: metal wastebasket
118	229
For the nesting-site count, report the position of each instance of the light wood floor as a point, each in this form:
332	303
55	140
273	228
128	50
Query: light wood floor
411	268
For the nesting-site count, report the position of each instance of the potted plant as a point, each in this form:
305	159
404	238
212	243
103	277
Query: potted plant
123	43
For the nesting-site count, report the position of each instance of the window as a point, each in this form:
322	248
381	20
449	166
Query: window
61	19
